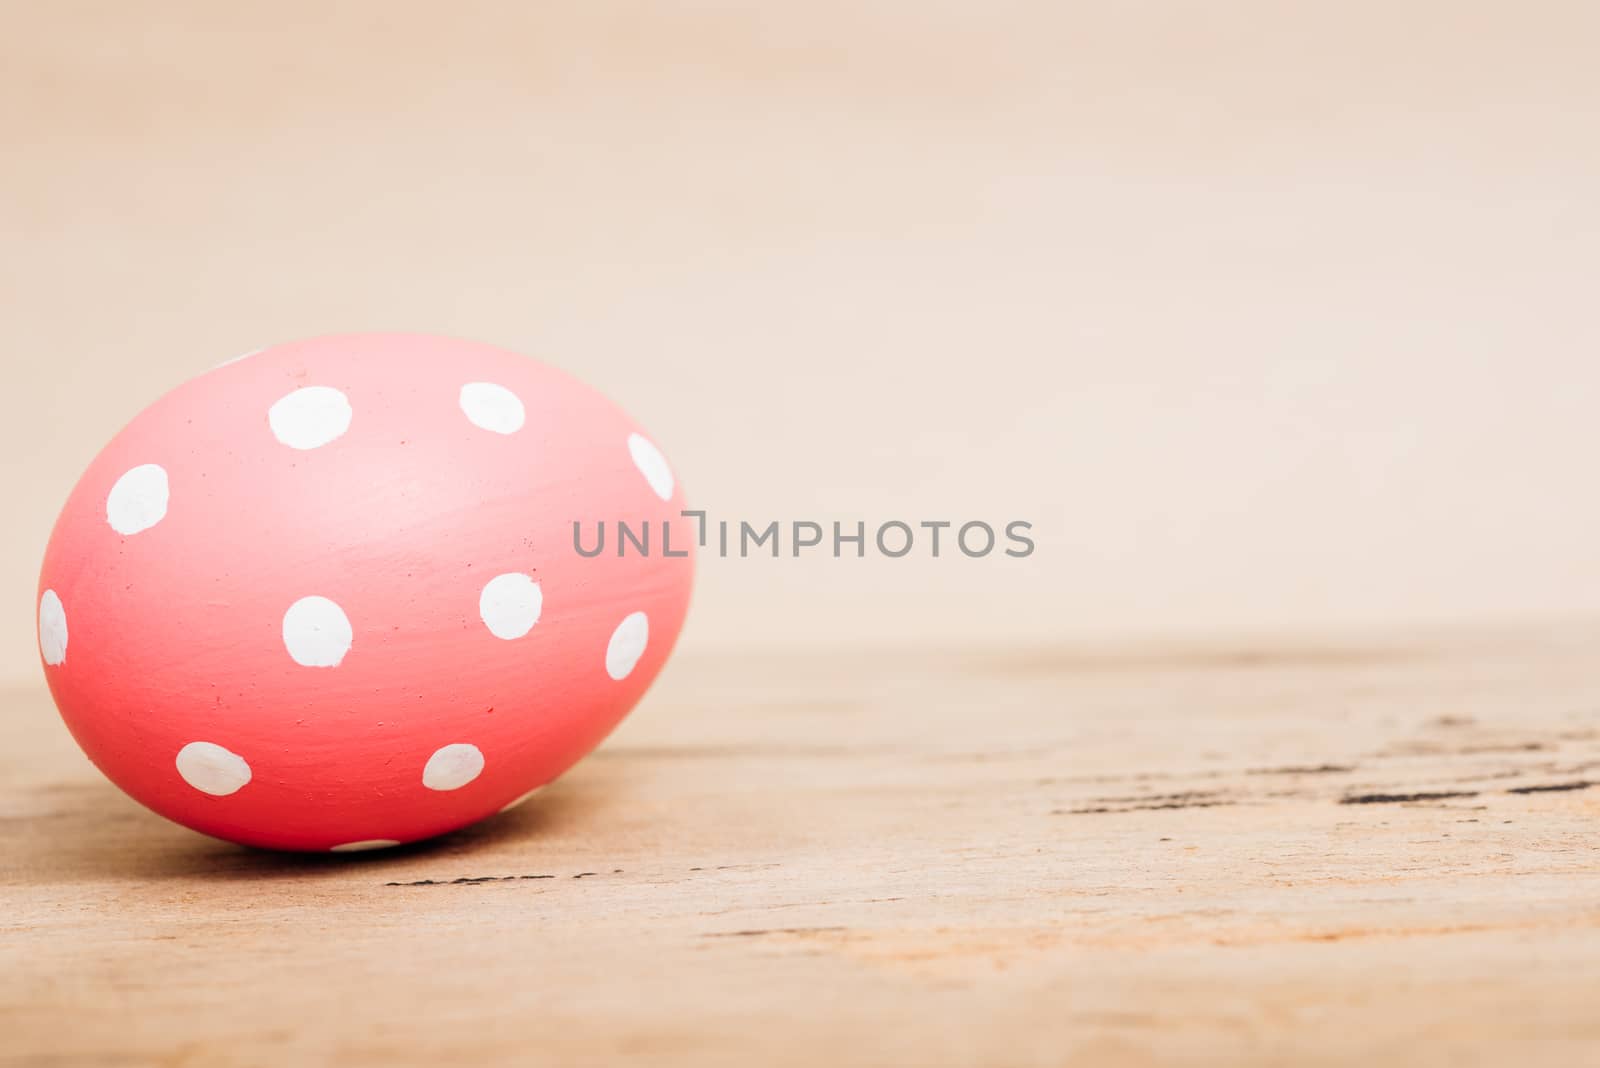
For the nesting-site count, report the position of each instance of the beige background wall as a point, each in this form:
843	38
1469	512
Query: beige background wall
1266	314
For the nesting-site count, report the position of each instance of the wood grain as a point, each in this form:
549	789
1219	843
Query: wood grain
1257	854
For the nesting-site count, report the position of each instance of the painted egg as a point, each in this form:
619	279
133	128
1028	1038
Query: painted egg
345	593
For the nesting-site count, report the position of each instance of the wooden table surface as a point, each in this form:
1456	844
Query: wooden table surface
1302	854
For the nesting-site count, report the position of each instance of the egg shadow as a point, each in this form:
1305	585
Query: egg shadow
88	830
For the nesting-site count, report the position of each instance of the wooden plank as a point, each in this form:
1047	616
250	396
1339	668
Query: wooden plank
1304	854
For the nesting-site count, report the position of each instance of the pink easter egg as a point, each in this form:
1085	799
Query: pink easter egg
327	596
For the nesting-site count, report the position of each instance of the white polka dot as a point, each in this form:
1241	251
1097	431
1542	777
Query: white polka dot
364	845
211	769
309	417
520	800
492	407
316	632
52	629
138	500
652	465
510	604
452	767
627	645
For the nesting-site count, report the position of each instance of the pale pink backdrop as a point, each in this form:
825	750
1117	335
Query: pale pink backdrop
1269	316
